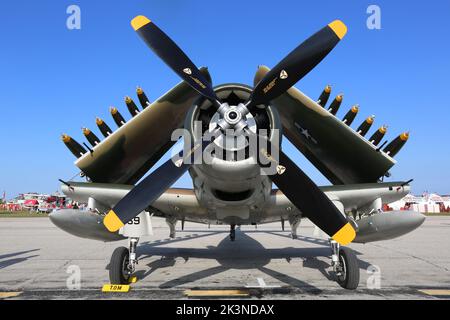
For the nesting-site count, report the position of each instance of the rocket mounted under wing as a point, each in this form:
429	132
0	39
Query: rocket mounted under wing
125	155
339	152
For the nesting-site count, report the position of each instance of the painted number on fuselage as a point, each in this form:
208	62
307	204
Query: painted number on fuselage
135	221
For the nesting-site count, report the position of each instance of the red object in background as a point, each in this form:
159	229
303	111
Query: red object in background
51	199
31	203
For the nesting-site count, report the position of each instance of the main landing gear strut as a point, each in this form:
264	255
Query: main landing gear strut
345	266
123	263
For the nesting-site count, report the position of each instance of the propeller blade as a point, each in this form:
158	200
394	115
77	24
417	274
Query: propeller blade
173	56
308	198
148	190
298	63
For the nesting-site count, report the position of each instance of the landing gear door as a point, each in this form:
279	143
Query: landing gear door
138	227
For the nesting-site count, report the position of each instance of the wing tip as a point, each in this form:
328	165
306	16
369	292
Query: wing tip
139	21
339	28
112	222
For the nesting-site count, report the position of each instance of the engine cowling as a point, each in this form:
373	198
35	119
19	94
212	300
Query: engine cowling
233	176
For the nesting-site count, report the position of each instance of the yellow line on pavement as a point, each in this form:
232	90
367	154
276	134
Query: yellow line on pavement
436	292
6	295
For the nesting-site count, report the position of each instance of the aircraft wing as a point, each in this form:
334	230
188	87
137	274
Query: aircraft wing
347	197
341	154
173	202
128	153
183	203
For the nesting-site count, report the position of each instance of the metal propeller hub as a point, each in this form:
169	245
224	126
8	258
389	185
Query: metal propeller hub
233	116
232	120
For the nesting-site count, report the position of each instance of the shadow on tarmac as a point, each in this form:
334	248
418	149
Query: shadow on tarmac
245	253
10	262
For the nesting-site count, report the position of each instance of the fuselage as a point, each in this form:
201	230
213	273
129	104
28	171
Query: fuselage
231	184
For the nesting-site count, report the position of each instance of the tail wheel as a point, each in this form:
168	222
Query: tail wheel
348	270
118	267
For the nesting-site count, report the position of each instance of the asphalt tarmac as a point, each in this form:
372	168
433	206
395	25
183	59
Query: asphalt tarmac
39	261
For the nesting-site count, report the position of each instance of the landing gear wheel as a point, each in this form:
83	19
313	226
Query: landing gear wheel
119	272
347	270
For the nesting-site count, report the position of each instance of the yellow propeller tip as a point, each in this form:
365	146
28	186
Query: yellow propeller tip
345	235
139	22
339	28
112	222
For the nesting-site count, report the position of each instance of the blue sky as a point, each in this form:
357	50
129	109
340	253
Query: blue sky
55	80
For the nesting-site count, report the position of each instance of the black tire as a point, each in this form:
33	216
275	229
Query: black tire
118	265
350	278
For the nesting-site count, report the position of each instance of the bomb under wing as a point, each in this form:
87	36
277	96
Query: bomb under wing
132	108
378	135
351	115
142	98
396	145
74	147
118	119
104	128
91	137
365	126
323	99
336	104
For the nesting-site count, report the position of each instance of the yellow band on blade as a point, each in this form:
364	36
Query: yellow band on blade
139	22
346	235
339	28
112	222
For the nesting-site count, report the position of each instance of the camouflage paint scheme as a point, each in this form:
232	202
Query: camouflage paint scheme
127	154
346	158
336	150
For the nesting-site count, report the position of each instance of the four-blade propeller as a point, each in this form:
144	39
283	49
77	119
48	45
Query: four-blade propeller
291	180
